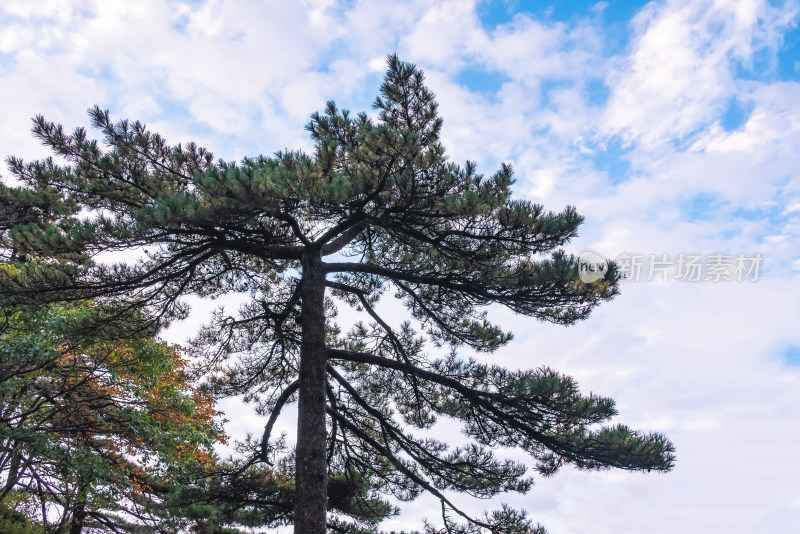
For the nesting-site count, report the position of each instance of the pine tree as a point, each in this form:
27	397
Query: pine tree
376	208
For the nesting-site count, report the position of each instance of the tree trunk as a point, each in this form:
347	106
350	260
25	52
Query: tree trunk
78	518
311	467
13	471
79	512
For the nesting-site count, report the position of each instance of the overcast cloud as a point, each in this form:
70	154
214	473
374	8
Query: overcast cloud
673	126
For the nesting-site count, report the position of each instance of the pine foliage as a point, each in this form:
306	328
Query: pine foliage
376	211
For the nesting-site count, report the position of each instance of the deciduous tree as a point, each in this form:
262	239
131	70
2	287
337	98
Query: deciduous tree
88	421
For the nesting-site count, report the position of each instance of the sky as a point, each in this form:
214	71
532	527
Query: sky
673	126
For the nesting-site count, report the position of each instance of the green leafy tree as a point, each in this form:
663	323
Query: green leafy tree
15	519
377	208
86	421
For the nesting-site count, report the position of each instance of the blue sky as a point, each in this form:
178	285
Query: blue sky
673	126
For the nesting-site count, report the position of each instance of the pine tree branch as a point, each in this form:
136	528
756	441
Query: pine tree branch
398	464
298	232
267	252
102	120
276	411
478	290
487	402
372	313
553	295
389	332
107	522
345	232
394	274
441	323
556	423
421	454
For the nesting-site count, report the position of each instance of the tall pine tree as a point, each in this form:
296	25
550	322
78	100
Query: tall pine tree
377	207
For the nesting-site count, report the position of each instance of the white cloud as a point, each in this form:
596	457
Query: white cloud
678	75
444	33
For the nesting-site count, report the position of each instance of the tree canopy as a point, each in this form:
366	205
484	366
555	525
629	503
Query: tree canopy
376	212
86	423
